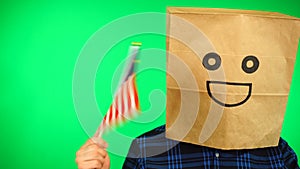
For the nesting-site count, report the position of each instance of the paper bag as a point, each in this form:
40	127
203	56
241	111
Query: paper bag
228	76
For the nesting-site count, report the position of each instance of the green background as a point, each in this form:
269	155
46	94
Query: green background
40	43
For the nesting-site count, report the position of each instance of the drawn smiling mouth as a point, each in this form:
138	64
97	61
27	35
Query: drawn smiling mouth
209	83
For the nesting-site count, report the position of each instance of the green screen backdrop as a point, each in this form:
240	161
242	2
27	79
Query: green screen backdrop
46	81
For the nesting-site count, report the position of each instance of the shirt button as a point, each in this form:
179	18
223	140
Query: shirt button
217	155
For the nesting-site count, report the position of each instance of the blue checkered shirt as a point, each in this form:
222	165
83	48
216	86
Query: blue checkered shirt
153	150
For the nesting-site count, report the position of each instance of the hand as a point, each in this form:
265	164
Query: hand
93	155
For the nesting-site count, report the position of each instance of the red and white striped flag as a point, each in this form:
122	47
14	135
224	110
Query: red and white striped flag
126	103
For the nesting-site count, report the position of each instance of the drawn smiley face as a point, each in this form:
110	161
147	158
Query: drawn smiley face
212	61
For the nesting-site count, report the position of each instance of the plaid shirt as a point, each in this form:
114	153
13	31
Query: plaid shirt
153	150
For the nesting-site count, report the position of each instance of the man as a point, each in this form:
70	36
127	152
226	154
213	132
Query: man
184	155
247	44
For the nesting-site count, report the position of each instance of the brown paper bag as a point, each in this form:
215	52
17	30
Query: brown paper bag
229	75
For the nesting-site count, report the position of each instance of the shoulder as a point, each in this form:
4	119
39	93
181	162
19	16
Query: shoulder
144	146
153	138
280	156
289	157
147	140
155	144
154	132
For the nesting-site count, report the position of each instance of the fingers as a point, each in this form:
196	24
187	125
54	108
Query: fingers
90	160
92	143
92	152
86	161
90	165
91	155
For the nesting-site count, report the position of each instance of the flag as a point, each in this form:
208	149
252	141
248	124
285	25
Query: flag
126	103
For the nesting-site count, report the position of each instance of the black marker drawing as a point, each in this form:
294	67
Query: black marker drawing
249	85
249	65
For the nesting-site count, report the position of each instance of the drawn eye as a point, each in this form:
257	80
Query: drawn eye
250	64
211	61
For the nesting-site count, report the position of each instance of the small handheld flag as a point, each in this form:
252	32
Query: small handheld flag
126	102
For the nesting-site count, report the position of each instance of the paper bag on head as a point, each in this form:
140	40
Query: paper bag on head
229	75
